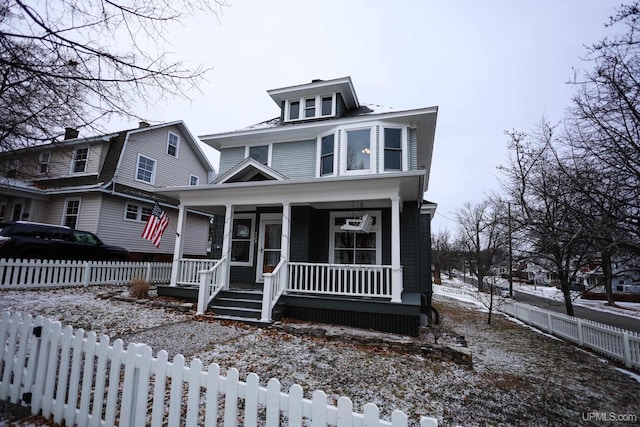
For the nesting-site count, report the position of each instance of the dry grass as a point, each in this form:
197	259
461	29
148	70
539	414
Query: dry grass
140	288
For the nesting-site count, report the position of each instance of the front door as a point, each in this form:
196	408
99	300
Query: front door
269	244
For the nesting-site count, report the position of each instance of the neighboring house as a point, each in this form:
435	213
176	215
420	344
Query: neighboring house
106	184
329	195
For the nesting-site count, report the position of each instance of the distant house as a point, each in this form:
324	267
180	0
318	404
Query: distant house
329	194
107	184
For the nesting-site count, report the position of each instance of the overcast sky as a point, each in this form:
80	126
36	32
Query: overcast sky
488	65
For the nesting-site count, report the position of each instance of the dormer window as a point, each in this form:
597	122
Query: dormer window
310	107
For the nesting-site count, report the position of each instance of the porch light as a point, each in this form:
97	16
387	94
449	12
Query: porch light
359	225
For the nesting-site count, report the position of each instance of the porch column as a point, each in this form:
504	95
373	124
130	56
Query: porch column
178	248
285	242
226	246
396	268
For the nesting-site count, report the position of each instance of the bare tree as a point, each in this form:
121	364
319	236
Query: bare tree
76	62
545	204
604	121
481	230
481	233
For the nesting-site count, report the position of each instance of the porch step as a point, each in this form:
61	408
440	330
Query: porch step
240	305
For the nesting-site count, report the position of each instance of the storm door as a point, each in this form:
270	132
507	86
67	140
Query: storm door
269	245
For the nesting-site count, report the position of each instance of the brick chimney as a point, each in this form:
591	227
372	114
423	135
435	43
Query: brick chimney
70	133
143	125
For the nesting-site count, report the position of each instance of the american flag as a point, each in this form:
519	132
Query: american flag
156	224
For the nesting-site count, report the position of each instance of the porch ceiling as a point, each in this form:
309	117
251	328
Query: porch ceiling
212	198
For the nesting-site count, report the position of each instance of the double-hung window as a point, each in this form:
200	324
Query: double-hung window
71	213
242	239
80	157
393	149
173	144
135	212
146	170
349	247
45	159
327	154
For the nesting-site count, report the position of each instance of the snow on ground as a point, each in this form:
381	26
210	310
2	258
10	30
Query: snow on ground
519	377
628	309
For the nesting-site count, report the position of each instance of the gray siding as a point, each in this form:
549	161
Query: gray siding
410	256
413	149
229	157
115	230
170	171
89	215
295	159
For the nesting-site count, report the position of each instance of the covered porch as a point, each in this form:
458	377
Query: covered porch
301	240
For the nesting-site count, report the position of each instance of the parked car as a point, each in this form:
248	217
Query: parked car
30	240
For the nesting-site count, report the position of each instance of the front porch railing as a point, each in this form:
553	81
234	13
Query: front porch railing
275	284
189	268
211	282
341	279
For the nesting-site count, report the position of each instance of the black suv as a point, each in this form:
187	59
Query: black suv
30	240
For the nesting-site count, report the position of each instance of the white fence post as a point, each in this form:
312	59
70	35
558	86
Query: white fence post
203	293
87	274
627	349
266	298
148	275
580	334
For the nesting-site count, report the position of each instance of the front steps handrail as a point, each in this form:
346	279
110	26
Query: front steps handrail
275	283
210	285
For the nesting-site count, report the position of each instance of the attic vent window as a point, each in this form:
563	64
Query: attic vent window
310	107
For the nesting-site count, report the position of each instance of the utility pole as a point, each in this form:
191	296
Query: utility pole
510	252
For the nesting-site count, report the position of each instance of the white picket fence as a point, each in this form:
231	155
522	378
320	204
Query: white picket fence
23	274
610	341
616	343
81	380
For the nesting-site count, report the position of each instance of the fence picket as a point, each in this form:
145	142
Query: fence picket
87	379
63	374
101	353
116	354
252	390
273	402
213	384
296	404
175	398
159	388
193	397
13	326
345	412
231	398
319	410
71	402
141	385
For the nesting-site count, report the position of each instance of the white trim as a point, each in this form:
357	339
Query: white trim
404	147
302	107
344	142
169	133
251	239
376	228
197	179
66	206
244	164
139	209
153	172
